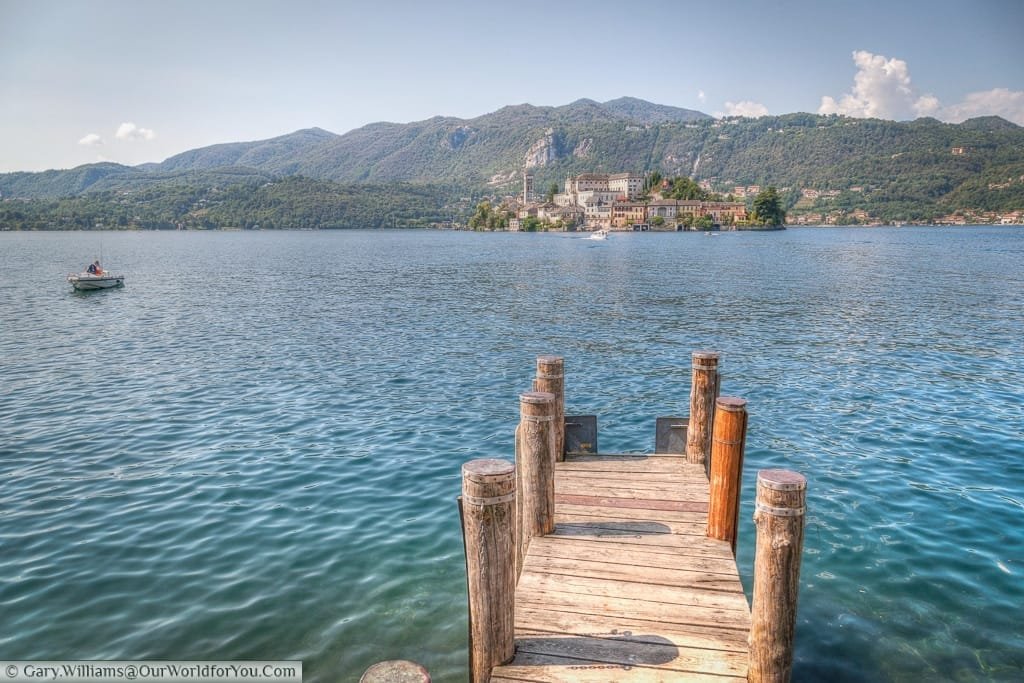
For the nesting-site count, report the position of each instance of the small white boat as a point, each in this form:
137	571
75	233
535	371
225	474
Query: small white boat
598	235
87	281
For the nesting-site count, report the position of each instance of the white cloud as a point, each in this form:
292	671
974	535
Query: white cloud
91	140
928	105
882	89
129	131
746	108
701	96
999	102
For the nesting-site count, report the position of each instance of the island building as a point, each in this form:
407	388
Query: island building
611	201
722	213
590	188
746	190
527	187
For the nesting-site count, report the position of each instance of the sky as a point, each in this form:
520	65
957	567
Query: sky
141	80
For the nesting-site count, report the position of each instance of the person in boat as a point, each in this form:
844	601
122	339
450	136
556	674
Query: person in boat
94	268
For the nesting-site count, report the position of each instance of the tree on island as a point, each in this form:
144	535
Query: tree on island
530	224
768	209
488	218
685	189
705	222
653	181
552	191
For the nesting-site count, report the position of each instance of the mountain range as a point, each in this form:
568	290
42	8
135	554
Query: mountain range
894	170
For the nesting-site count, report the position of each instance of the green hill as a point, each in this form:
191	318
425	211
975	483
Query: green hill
282	155
914	170
252	202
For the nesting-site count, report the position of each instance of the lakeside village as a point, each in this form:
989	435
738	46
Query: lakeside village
634	202
622	202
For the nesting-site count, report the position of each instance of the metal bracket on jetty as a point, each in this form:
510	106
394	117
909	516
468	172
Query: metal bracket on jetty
584	567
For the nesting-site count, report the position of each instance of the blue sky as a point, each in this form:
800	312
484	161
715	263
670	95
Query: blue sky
142	80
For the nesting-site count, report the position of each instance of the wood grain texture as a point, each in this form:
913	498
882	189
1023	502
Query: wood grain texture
535	470
488	505
551	379
703	390
628	587
779	517
730	430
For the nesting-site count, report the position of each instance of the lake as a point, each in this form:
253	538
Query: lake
252	450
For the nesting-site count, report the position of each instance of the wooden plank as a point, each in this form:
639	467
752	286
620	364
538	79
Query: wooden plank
623	481
593	457
616	479
638	588
660	463
671	489
586	473
532	621
668	493
602	606
565	521
656	652
601	673
700	507
696	545
600	463
659	471
596	569
633	511
606	551
548	669
628	587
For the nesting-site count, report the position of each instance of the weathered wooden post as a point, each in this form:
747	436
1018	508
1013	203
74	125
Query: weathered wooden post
702	404
779	517
730	430
535	469
395	671
488	508
551	378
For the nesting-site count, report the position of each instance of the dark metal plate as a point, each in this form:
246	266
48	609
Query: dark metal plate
581	433
670	434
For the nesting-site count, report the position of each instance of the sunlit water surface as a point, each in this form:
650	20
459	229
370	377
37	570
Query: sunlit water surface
252	450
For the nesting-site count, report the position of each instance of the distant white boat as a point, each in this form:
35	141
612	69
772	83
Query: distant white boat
88	281
598	235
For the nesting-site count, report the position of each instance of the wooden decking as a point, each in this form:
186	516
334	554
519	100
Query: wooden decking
628	588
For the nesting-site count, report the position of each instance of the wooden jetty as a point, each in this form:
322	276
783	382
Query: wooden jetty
593	568
628	587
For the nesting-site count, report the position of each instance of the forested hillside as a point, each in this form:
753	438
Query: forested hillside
288	203
892	171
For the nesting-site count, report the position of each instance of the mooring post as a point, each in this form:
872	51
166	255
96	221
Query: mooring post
730	430
488	507
703	389
551	379
395	671
535	470
779	517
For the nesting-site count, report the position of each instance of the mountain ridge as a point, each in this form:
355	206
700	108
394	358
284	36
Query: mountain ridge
897	169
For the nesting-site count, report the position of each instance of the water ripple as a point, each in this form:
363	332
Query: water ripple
208	466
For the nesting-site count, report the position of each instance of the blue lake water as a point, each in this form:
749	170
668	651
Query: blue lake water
252	450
